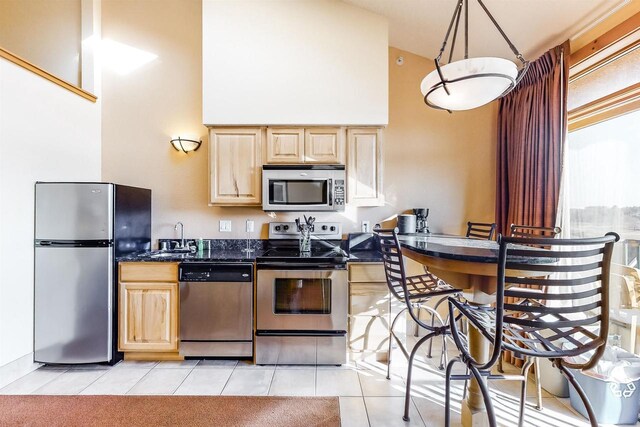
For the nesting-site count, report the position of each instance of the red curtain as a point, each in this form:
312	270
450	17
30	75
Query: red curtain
532	124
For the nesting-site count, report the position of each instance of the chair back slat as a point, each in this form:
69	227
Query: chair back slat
532	231
558	292
544	253
481	230
543	268
392	261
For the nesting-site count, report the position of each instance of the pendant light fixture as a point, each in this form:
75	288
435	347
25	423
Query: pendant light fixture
470	82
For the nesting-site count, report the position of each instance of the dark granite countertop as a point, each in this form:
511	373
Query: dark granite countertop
216	255
218	250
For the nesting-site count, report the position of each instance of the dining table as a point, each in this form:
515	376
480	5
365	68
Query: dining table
471	266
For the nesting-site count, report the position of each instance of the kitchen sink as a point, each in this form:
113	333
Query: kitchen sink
166	254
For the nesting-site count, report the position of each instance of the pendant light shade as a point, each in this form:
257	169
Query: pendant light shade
471	83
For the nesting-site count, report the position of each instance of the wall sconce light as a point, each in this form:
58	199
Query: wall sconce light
185	145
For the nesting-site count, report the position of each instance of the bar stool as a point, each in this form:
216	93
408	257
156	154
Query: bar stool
580	269
414	292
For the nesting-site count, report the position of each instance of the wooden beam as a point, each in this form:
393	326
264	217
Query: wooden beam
612	36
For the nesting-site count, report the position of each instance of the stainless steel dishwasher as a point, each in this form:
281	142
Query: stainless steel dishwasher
216	309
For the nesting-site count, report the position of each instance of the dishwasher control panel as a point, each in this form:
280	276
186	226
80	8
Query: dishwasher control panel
215	272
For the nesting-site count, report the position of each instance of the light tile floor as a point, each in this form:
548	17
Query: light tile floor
367	398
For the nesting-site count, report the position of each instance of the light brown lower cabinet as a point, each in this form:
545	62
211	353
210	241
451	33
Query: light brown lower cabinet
148	308
369	306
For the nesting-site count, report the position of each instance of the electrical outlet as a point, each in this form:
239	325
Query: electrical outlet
365	227
225	225
250	226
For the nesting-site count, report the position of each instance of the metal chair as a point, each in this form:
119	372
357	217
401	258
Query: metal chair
530	232
532	329
414	292
481	230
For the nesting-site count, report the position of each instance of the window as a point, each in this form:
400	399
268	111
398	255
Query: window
602	166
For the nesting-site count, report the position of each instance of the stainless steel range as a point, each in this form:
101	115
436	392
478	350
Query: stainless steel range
302	298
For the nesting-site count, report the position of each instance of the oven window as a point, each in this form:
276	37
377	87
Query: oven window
302	296
298	192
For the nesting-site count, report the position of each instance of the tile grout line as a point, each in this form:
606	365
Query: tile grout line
364	402
138	382
88	385
66	370
272	377
228	379
184	379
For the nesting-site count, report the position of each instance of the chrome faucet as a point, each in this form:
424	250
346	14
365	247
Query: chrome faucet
181	245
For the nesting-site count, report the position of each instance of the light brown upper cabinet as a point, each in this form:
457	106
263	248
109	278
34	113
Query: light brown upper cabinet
285	145
235	162
324	145
364	167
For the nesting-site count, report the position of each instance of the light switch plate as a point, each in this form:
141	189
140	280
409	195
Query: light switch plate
365	227
250	226
225	225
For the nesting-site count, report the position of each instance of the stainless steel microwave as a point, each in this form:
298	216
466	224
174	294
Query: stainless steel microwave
303	187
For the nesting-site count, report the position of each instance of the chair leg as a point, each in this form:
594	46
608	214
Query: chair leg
581	393
407	396
447	392
484	390
523	390
391	337
536	362
416	329
500	368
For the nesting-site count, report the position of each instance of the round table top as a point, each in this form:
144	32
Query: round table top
452	247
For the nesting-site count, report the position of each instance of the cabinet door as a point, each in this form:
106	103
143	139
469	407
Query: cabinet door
235	166
148	316
324	145
364	167
285	145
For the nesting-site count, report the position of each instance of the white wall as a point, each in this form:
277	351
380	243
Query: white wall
46	134
293	62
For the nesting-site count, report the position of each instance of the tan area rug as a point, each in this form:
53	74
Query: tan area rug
169	411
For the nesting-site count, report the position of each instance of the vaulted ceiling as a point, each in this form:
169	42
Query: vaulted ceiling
534	26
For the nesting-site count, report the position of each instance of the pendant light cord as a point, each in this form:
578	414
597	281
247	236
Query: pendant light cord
495	23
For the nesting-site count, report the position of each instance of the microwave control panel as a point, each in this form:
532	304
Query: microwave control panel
338	193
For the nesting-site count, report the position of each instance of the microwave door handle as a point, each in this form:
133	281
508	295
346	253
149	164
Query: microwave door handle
330	191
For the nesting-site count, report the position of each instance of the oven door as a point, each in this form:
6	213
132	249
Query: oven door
302	300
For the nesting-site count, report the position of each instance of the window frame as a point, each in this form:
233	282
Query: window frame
617	42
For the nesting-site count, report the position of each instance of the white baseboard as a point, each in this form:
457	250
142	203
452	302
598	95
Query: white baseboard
16	369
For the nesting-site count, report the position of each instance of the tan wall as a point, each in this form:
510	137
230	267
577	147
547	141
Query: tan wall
432	159
44	32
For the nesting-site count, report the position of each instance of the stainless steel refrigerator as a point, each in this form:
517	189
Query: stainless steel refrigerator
80	228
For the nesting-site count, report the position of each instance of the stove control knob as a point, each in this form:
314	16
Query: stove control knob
277	228
333	228
324	228
286	227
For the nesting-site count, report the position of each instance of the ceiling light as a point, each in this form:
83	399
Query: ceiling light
470	82
185	145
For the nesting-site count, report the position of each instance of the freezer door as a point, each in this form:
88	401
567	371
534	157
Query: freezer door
74	211
73	294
